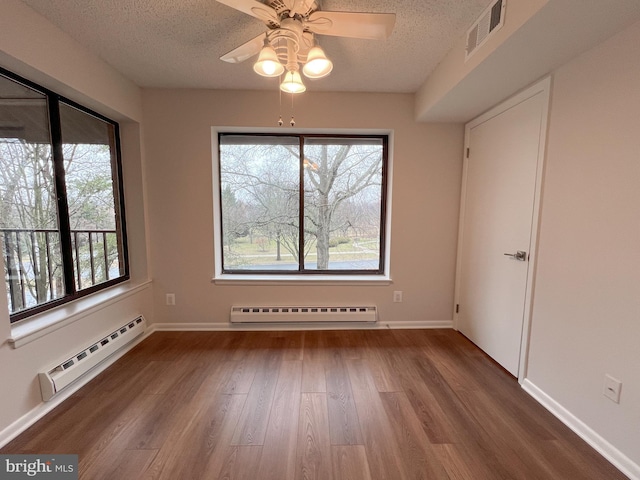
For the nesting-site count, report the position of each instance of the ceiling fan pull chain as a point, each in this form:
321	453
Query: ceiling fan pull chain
293	121
280	122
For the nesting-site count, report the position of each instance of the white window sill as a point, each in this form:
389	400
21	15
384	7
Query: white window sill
37	326
324	280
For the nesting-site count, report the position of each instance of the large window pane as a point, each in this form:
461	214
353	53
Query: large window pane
259	186
343	203
62	225
89	152
28	207
302	203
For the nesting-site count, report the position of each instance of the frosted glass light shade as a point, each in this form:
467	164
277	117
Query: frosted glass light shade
268	64
292	82
318	65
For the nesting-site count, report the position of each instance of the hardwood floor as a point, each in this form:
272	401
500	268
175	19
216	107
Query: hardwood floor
335	405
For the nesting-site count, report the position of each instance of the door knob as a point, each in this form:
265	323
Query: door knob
519	255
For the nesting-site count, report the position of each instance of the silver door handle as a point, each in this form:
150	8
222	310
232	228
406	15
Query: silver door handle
519	255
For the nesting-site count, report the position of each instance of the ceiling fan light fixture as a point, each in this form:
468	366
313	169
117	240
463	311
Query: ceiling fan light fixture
292	82
268	64
291	28
318	65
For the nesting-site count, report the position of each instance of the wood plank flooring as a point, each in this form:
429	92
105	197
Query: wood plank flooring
330	405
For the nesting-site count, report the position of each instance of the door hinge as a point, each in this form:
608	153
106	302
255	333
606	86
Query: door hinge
467	152
457	308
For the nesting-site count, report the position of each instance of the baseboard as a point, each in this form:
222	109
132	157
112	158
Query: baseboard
16	428
608	451
230	327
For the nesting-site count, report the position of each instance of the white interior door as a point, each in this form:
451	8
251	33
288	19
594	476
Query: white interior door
498	211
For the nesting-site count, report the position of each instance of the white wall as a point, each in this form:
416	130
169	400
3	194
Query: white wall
441	97
538	36
34	48
586	316
427	163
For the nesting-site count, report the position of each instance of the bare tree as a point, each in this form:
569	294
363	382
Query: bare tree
263	179
336	173
28	213
28	201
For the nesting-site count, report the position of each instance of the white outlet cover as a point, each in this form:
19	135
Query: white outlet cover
171	299
612	388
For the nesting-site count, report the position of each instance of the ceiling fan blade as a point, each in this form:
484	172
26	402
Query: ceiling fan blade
371	26
253	8
244	51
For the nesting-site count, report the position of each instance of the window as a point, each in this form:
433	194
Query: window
61	205
302	204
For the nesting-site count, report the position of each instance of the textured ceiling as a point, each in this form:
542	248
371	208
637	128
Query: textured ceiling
177	44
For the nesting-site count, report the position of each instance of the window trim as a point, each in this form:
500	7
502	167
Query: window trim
55	131
380	276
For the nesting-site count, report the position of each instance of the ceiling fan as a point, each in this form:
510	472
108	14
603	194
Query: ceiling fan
290	37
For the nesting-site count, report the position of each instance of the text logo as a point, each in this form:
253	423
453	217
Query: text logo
50	467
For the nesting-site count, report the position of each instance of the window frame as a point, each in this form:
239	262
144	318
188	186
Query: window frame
54	101
381	273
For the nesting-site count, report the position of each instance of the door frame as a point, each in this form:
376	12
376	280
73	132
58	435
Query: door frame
542	87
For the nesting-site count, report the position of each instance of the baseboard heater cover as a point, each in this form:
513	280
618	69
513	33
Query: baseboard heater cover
299	314
61	375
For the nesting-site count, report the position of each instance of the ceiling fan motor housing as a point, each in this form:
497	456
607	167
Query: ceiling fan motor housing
294	7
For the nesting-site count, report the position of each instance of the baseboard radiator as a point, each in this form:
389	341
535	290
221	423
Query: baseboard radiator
61	375
298	314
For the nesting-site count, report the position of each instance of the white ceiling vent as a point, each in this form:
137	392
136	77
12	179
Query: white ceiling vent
489	22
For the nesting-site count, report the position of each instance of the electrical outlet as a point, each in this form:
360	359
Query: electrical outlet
171	298
612	387
397	296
